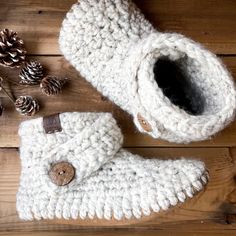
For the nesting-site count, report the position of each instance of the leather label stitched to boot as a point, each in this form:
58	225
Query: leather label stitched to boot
52	124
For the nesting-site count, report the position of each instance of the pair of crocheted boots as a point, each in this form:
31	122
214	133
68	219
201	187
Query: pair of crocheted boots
73	165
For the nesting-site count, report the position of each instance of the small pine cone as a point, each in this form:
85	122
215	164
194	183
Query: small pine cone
12	50
51	85
26	105
32	73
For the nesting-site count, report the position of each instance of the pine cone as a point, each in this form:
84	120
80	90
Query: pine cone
26	105
32	73
51	85
12	50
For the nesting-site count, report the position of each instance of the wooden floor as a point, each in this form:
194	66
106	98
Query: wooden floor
212	212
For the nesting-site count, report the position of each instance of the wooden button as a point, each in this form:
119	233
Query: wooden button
145	125
62	173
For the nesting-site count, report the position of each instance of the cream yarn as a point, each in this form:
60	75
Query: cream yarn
109	181
115	48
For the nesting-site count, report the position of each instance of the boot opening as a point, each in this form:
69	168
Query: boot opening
176	85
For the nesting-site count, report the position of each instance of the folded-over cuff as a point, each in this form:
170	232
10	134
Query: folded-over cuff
87	141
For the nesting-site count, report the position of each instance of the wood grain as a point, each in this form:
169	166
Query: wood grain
119	232
79	95
210	22
209	211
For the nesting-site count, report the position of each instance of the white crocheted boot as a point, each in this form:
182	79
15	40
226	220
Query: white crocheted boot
173	87
82	172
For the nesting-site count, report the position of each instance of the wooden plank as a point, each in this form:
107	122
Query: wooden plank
81	96
211	211
209	22
118	233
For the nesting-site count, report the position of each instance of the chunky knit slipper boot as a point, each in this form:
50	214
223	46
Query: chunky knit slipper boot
173	87
73	166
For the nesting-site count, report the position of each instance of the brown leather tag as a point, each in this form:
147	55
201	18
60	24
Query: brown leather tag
52	124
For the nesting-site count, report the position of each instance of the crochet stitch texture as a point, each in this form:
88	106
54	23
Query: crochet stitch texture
109	182
115	48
